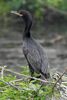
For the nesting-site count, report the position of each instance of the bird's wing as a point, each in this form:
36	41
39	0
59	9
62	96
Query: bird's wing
34	58
45	64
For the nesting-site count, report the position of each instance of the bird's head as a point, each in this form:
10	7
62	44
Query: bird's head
24	14
27	19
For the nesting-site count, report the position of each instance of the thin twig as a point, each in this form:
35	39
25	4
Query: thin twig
64	82
2	72
59	79
8	70
17	80
13	86
10	84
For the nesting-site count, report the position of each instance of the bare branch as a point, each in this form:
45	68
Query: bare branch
59	78
8	70
8	83
2	71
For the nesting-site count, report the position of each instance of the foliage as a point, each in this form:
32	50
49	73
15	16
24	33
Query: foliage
36	6
24	90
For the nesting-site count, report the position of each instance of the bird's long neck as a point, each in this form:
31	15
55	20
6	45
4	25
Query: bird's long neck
27	30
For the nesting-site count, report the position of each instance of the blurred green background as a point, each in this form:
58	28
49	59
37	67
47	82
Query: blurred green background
36	6
46	13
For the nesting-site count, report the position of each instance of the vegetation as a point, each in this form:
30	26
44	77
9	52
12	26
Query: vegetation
22	89
26	91
36	6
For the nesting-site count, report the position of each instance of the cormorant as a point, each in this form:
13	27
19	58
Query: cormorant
33	52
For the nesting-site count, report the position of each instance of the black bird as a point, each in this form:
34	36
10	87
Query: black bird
33	52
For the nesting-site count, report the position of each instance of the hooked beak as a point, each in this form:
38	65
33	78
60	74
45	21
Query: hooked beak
16	13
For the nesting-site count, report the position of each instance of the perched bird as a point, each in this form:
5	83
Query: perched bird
33	52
